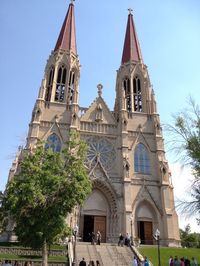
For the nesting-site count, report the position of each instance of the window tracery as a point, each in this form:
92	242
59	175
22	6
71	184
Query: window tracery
127	92
60	84
100	150
141	159
71	87
137	94
53	142
50	84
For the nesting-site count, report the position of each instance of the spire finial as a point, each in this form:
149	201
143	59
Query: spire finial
100	87
130	10
72	1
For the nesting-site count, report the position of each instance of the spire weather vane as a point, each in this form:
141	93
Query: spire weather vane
130	10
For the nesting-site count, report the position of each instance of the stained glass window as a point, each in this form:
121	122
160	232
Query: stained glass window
53	142
141	159
102	150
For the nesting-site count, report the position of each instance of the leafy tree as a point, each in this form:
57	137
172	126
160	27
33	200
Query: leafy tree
48	186
184	134
189	239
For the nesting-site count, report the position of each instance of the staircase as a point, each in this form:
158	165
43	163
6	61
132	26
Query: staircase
107	254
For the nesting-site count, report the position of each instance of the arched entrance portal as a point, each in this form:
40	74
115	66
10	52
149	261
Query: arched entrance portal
94	216
99	212
146	222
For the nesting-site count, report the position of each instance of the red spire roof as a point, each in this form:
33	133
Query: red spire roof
131	49
67	37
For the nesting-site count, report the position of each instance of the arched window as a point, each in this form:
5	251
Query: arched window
127	92
53	142
137	95
60	85
49	84
71	87
141	159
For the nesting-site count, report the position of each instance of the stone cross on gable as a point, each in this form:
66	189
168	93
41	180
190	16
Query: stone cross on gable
100	87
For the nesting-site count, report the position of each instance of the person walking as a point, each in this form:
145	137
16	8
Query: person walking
135	262
146	262
82	262
176	261
98	238
97	263
92	238
121	240
194	262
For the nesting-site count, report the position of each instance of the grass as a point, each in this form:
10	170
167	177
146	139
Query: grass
166	252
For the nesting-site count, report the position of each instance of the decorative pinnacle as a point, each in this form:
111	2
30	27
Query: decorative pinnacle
100	87
72	1
130	10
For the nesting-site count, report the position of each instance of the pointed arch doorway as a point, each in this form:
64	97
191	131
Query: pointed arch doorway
94	216
146	222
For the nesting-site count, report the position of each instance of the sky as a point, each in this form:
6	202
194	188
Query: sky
169	36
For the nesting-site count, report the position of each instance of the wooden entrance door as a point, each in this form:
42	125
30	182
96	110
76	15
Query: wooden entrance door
100	225
148	233
145	232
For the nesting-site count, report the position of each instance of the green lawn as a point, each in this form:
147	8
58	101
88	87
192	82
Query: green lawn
165	253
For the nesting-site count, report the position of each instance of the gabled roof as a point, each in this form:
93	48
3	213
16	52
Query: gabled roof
131	49
67	37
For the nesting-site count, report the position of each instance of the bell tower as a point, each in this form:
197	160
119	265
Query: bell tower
133	84
58	95
148	191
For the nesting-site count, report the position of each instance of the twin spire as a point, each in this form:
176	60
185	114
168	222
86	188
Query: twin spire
131	49
67	37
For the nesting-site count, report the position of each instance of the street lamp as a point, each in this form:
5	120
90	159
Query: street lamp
157	238
131	220
75	230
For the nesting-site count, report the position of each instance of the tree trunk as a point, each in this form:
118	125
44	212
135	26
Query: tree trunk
44	254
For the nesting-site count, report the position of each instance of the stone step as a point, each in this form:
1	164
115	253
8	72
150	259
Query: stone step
107	254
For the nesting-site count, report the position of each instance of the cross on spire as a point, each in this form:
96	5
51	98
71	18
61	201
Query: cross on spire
130	10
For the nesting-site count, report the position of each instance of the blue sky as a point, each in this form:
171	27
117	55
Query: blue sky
169	36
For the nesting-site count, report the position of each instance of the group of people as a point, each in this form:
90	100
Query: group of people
91	263
124	240
16	263
184	261
97	239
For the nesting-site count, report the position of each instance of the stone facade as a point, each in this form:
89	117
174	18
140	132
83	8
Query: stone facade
132	190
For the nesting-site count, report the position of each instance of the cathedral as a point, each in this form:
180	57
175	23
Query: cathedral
131	185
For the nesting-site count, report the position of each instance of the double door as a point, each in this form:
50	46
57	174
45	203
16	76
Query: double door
94	224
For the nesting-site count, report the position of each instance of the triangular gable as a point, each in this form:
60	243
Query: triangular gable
98	112
145	194
140	139
53	129
98	171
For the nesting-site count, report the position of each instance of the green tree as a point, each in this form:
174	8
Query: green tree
48	186
189	239
184	135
